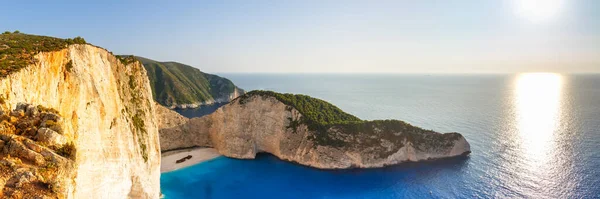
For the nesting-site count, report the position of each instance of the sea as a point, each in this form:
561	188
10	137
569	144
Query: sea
532	135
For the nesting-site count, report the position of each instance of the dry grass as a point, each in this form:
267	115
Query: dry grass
17	49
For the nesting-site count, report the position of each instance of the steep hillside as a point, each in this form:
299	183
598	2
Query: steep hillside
75	122
177	85
308	131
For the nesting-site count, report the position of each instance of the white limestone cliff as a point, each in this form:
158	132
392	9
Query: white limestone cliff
262	124
107	112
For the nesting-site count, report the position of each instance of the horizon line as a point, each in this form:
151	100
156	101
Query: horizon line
409	73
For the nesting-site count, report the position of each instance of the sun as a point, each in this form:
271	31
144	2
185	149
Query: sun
538	10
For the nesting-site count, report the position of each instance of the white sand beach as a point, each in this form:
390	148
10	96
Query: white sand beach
168	159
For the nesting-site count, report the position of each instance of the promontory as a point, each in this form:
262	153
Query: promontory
310	132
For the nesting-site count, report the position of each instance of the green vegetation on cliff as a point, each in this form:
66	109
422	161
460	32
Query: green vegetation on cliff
17	49
315	111
126	59
334	127
175	83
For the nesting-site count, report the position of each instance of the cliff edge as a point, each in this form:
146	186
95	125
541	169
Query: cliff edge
311	132
101	106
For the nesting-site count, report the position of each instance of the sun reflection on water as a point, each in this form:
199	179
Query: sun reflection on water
538	106
538	116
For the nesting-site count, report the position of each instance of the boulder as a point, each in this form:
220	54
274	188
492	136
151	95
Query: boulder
32	145
50	137
17	113
22	178
52	157
51	116
21	106
32	111
8	163
17	149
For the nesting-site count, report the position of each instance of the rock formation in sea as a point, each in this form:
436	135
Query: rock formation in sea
308	131
75	122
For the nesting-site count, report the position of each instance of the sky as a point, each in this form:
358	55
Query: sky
327	36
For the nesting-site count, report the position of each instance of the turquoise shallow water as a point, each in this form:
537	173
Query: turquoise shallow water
532	136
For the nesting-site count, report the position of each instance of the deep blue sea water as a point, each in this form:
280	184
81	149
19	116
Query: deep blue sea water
531	136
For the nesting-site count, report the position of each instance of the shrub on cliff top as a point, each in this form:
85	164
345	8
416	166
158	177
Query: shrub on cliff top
76	40
17	49
314	110
126	59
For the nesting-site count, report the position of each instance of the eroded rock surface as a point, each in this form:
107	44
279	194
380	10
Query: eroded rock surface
167	118
265	124
104	109
30	167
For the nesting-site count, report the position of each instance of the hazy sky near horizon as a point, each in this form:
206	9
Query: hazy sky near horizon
462	36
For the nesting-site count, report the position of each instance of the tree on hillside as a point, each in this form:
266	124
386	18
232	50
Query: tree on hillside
79	40
76	40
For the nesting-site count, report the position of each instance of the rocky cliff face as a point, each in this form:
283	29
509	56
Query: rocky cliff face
107	114
167	118
265	124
